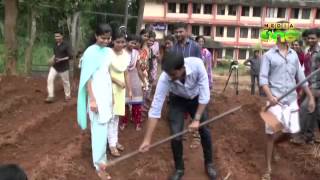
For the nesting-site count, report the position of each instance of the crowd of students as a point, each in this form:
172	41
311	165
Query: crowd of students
131	64
120	75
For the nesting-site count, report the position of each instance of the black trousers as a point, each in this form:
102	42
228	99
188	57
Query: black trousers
309	122
254	79
177	107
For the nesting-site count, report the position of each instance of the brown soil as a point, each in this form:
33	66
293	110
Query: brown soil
45	140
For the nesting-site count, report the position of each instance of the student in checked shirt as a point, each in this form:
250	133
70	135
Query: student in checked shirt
186	81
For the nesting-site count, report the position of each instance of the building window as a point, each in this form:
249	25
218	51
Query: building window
221	9
306	13
196	8
171	28
281	12
271	12
184	8
295	13
219	53
229	53
207	30
255	33
196	30
219	31
243	32
245	11
208	9
231	31
172	7
318	14
232	10
256	12
242	54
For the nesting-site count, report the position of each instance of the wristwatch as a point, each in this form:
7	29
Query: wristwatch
197	117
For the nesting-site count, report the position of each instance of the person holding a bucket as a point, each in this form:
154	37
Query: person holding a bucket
280	70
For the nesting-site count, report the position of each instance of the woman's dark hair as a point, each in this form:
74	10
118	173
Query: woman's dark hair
200	37
169	38
133	37
172	61
152	34
101	29
300	42
118	34
144	31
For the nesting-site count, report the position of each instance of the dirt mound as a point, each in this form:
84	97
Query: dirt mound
45	140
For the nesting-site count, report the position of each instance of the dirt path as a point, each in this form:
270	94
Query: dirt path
47	143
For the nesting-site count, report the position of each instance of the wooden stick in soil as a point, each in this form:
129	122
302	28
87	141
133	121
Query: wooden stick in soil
136	152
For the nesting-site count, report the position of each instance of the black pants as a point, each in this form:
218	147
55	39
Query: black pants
254	79
309	122
177	107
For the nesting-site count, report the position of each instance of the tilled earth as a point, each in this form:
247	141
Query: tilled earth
45	140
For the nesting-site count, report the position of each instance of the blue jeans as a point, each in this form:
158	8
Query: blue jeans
177	107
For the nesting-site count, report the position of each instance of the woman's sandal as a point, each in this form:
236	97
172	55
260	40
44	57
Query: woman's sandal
120	147
123	126
103	175
114	151
266	176
138	127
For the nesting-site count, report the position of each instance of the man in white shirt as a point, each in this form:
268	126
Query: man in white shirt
186	81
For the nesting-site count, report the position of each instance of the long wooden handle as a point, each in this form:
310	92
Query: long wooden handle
294	88
129	155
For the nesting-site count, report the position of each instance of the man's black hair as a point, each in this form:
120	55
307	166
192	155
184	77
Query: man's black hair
172	61
180	25
305	33
255	51
314	31
58	32
12	172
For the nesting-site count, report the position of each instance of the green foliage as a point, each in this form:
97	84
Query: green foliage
53	16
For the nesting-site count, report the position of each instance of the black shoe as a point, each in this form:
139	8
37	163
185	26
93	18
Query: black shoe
211	172
49	100
177	175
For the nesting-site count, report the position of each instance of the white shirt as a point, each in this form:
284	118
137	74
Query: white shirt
196	84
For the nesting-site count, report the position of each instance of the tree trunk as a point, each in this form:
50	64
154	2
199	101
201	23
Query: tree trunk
28	54
74	40
126	7
73	33
140	16
10	38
